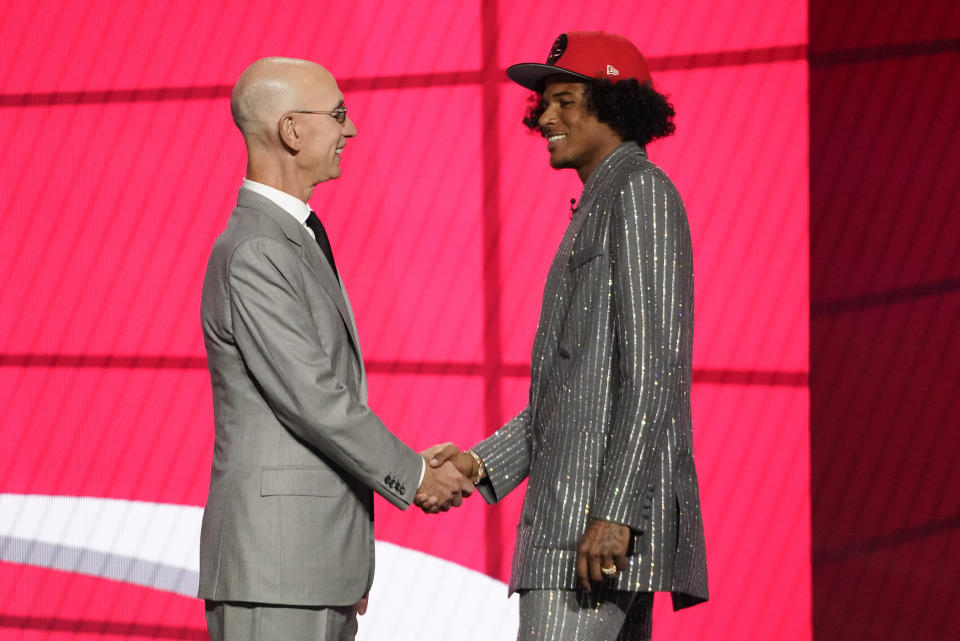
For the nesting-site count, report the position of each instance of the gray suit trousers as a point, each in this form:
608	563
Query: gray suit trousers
261	622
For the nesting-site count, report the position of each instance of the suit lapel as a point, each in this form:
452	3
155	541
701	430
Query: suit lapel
321	269
553	313
555	303
309	253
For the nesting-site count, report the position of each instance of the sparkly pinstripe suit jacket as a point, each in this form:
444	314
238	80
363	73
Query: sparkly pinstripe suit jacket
607	431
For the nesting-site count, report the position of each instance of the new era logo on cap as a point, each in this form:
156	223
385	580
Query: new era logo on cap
612	71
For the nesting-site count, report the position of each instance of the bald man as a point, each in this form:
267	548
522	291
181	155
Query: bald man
286	548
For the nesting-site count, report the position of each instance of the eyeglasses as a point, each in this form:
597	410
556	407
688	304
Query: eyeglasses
339	114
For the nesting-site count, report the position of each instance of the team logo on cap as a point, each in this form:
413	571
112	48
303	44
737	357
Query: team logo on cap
559	47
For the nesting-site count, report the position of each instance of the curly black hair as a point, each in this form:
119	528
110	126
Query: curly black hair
635	111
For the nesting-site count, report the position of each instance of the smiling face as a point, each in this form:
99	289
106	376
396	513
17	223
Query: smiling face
324	137
575	138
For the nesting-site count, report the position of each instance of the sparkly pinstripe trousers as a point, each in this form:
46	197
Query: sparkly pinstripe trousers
602	615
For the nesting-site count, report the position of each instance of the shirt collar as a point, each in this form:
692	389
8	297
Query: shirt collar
290	204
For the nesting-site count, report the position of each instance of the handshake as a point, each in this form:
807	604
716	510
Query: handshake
449	476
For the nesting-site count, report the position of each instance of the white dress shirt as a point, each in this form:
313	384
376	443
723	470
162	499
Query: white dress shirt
290	204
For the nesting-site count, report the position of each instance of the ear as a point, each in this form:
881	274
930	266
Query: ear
289	134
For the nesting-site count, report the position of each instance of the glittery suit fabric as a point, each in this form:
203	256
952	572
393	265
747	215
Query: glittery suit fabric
607	430
602	615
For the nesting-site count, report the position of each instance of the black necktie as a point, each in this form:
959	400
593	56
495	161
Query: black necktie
321	235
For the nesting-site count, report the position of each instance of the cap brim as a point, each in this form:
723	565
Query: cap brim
533	75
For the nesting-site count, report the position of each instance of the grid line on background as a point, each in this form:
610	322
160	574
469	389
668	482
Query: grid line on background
896	538
778	378
490	91
705	60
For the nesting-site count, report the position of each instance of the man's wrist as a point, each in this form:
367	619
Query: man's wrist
481	468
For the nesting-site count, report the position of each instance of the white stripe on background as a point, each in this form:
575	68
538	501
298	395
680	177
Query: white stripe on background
415	596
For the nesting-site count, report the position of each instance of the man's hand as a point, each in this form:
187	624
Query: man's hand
603	545
362	604
440	454
443	486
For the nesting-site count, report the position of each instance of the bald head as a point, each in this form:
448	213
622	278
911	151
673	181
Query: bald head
294	124
270	87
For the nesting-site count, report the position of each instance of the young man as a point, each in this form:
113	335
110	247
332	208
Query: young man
612	510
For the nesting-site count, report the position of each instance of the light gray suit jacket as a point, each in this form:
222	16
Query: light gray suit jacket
289	516
607	431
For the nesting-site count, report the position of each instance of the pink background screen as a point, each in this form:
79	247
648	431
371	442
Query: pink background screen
120	166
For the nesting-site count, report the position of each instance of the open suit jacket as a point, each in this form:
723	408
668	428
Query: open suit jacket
289	516
607	431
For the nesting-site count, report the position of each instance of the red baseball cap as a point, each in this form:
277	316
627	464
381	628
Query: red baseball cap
584	55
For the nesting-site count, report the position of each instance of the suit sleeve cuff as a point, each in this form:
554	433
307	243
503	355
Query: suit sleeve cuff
634	510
